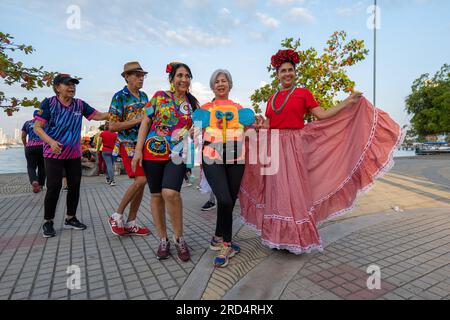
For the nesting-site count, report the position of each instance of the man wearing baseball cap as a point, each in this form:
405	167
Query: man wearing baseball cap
126	112
62	117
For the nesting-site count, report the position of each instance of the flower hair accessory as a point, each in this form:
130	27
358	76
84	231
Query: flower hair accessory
283	56
169	67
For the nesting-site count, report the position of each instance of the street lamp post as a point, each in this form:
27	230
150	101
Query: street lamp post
375	54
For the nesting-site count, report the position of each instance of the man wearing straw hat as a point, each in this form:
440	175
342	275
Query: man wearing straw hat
126	111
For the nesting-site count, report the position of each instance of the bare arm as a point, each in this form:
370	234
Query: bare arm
321	113
120	126
99	116
24	138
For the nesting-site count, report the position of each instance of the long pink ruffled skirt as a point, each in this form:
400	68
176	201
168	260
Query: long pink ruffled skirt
314	174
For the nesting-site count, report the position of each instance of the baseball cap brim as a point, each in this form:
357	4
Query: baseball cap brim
70	80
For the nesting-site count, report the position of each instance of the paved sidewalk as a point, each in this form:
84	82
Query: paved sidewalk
402	226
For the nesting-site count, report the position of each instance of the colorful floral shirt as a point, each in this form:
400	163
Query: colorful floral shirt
33	138
171	121
126	107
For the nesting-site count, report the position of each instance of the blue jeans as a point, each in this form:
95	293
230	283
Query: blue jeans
109	160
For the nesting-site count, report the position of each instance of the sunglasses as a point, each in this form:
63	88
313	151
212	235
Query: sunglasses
165	128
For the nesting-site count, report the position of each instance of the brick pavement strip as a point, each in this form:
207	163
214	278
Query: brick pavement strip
96	251
411	251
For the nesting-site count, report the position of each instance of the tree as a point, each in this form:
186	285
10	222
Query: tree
429	103
324	75
412	136
14	72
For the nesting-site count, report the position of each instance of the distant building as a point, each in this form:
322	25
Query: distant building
2	137
17	135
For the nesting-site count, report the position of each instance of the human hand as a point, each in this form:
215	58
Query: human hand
56	147
136	159
259	121
353	98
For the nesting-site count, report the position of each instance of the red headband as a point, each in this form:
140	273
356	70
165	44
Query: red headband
283	56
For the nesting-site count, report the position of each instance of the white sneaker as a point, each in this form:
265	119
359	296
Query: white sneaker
112	183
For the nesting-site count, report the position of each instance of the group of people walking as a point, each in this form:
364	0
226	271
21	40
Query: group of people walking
321	166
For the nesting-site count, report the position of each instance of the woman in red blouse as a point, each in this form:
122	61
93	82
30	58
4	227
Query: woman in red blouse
315	170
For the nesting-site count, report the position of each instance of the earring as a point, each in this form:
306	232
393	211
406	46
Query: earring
172	88
187	91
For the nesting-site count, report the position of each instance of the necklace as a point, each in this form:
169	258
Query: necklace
278	111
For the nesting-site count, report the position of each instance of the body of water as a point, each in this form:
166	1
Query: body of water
13	160
404	153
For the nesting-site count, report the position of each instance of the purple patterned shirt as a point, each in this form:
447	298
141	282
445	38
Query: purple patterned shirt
64	125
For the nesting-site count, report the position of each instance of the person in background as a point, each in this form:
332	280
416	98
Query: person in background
34	155
98	149
108	139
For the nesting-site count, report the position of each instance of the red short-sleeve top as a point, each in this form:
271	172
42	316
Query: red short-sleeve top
292	115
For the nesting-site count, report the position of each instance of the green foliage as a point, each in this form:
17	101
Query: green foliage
15	73
429	103
324	75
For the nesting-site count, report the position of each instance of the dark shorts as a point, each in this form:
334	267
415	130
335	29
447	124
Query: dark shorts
164	175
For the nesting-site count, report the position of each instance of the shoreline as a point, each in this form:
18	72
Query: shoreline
417	157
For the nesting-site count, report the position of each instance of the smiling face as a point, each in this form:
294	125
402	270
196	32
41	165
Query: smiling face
66	90
286	75
221	87
181	80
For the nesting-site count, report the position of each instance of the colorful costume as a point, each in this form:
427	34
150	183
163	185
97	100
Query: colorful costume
170	125
318	168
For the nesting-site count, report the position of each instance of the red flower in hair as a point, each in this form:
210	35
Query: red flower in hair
169	68
283	56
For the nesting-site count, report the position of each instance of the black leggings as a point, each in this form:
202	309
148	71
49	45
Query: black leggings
163	175
225	181
35	160
54	168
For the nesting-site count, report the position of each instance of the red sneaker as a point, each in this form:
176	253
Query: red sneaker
116	226
163	249
36	187
137	230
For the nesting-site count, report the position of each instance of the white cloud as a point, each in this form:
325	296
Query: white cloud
286	2
191	36
350	11
258	36
196	3
201	92
267	20
227	17
301	15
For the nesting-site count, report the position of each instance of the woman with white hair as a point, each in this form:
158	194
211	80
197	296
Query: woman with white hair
223	122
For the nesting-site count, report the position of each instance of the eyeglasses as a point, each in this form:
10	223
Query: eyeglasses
138	74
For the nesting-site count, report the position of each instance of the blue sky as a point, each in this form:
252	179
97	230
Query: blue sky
239	35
